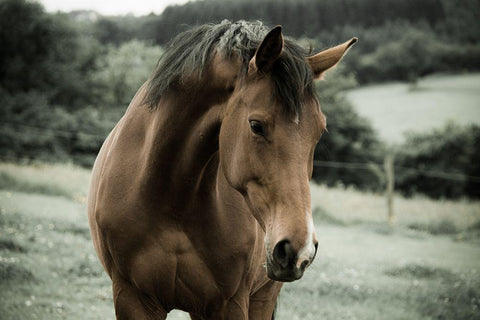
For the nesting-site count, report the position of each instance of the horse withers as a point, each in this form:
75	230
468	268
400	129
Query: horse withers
200	198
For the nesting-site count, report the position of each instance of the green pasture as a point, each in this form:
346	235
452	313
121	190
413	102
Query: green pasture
425	266
397	108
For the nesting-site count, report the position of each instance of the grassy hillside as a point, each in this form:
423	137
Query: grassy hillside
424	267
396	108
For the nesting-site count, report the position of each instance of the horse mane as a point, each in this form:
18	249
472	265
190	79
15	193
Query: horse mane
189	53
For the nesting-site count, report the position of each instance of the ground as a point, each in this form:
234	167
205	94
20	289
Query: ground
426	266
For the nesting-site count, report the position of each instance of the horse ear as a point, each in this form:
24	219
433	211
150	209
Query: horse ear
267	52
327	59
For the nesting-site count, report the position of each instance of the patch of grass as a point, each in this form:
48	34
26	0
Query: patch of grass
10	182
360	274
419	271
364	268
381	228
456	298
349	293
86	268
472	234
57	180
53	270
351	207
69	228
10	245
76	230
13	272
443	226
474	226
321	216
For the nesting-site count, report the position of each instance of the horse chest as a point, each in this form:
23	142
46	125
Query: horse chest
183	273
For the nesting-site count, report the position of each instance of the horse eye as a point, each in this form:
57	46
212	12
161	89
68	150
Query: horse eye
257	127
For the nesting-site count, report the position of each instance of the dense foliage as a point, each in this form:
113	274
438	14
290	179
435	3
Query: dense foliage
451	151
44	53
62	90
414	37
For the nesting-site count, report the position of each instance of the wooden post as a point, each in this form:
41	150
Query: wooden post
390	175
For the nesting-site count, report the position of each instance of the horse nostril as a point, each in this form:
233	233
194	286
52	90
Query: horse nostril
283	253
303	265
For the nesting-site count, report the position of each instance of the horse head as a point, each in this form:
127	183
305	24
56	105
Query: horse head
268	134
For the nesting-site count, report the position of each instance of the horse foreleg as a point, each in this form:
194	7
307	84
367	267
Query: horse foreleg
262	303
130	304
261	309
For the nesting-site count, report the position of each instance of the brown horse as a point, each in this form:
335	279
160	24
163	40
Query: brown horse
200	198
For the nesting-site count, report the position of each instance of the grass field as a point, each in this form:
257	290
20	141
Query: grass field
426	266
398	107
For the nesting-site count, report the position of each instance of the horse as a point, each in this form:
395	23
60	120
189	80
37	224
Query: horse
199	197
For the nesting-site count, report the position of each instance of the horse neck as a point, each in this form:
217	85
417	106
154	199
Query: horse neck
183	137
182	166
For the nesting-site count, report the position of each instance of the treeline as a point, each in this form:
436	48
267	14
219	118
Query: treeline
399	40
308	18
66	79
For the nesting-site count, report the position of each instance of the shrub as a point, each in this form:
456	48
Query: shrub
411	56
453	150
33	129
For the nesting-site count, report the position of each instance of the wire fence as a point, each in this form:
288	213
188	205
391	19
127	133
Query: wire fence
416	171
378	167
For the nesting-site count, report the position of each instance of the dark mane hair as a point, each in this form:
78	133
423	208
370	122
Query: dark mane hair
190	51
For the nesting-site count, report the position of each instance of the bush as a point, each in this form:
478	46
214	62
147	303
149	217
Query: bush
451	149
414	54
33	129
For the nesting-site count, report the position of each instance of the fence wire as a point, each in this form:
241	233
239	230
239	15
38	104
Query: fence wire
316	163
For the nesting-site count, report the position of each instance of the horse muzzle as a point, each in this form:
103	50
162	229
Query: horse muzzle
286	264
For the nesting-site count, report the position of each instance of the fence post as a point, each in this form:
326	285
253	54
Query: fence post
390	175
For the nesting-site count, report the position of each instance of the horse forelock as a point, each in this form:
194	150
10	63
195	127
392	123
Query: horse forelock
189	53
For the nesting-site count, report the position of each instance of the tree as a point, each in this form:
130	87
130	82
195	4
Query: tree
123	70
44	53
450	151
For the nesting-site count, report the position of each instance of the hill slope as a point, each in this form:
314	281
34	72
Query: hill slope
396	108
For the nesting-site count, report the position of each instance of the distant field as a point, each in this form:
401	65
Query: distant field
396	108
426	266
